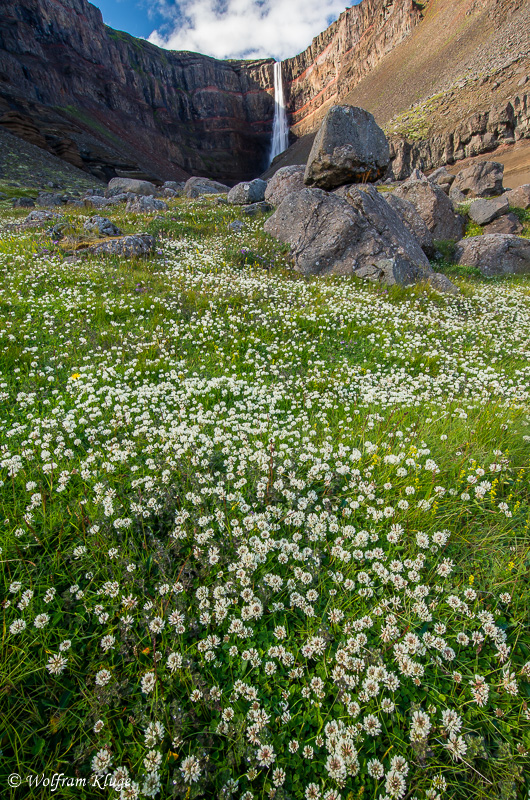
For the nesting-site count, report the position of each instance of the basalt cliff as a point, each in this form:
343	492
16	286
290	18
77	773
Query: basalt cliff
115	105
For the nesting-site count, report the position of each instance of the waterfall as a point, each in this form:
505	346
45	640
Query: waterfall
280	130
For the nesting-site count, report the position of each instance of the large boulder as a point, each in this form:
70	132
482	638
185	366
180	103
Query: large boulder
483	211
349	147
413	222
122	185
197	186
283	182
433	206
495	254
49	199
146	205
243	194
356	234
520	197
483	179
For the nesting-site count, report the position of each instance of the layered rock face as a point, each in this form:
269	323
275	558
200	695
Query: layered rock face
341	56
480	133
116	105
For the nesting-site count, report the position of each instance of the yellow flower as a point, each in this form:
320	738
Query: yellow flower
471	578
511	565
75	376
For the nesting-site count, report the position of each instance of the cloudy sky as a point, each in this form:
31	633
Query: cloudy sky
225	28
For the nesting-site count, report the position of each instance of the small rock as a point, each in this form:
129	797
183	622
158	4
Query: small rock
520	197
197	186
145	204
483	211
246	193
102	226
49	200
35	217
441	283
236	226
121	185
349	147
135	245
257	208
23	202
175	186
508	223
96	201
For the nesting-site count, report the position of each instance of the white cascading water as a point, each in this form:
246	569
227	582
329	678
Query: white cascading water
280	130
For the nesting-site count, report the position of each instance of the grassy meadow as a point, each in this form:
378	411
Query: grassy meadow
262	536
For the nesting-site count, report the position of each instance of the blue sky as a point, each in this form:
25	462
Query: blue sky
225	28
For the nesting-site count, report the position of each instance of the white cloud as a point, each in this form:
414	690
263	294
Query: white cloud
244	28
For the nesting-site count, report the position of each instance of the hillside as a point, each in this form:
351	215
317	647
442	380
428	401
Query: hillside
463	57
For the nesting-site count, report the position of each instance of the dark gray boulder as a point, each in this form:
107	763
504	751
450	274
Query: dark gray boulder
135	245
49	200
433	206
143	204
495	254
483	179
413	222
349	147
246	193
257	208
483	211
443	178
283	182
96	201
508	223
520	197
356	234
23	202
102	227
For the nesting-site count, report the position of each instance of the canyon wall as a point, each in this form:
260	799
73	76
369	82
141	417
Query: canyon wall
116	105
342	55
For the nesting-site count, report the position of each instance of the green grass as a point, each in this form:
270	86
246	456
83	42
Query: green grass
205	444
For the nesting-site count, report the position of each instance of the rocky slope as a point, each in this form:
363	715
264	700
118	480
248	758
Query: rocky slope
113	104
455	85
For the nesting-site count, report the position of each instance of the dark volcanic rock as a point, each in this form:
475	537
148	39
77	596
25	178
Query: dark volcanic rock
433	206
495	254
135	245
520	197
349	147
146	205
102	226
483	211
482	179
413	222
196	186
508	223
360	235
124	185
246	193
